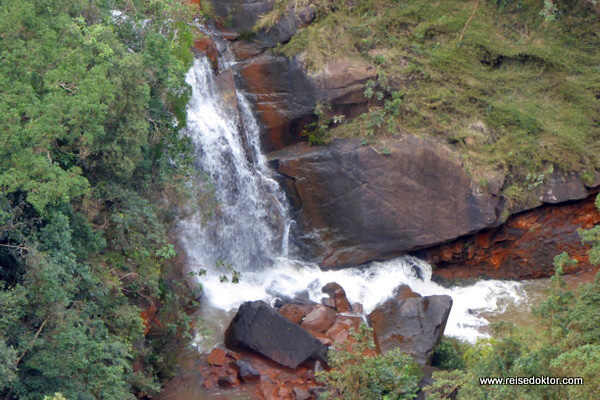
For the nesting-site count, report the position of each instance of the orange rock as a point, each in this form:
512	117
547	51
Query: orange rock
320	319
295	312
207	45
523	248
216	357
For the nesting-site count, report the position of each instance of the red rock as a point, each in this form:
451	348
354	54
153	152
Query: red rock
210	384
326	340
320	319
216	357
340	330
207	45
296	312
523	248
229	381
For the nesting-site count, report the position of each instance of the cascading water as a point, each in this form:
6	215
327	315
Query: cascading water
249	221
250	228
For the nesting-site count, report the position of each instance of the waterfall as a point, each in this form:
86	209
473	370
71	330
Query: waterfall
247	230
250	228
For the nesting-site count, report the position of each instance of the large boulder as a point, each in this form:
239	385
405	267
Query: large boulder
260	328
410	322
354	204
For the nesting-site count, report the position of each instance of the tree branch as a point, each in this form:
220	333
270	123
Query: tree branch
37	334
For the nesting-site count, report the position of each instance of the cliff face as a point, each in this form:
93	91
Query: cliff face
522	248
356	204
358	201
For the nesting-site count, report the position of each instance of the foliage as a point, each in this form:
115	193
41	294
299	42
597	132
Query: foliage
530	85
91	162
568	345
358	374
448	353
318	131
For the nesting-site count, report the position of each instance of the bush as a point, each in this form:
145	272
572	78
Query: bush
358	374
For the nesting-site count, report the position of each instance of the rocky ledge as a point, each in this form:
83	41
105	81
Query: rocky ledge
356	203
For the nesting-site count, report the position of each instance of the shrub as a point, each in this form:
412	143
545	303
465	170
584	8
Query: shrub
358	374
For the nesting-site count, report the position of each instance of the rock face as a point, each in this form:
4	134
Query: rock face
241	16
412	323
523	248
260	328
285	94
361	205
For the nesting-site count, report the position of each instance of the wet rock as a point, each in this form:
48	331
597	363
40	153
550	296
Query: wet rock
335	291
216	357
207	46
259	328
286	95
296	312
415	325
247	372
320	319
361	205
228	381
242	15
340	330
357	308
523	248
329	302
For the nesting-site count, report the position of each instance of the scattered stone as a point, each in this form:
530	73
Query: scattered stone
228	381
411	323
320	319
247	372
216	357
258	327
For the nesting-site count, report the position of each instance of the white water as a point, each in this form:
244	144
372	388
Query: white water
251	230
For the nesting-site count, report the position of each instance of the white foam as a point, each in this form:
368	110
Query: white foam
369	286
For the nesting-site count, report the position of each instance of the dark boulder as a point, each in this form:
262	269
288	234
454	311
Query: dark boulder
338	294
241	16
247	372
413	324
355	204
260	328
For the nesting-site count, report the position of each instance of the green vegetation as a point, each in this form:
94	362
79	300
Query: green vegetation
511	85
568	345
358	374
91	167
